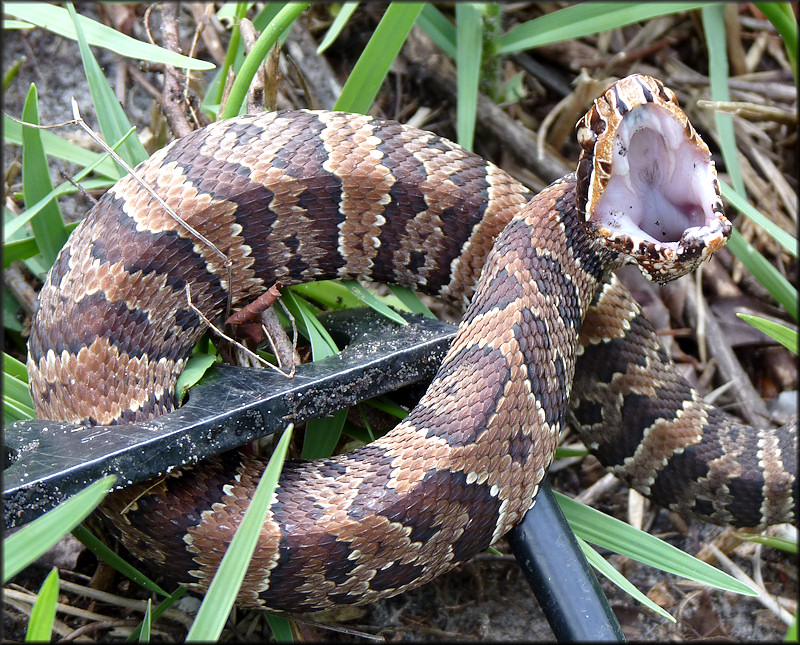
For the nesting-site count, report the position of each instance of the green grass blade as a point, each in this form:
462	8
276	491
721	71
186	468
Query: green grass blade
144	632
364	434
411	300
165	604
266	15
372	301
610	533
11	73
15	368
281	628
335	295
16	24
16	396
345	12
196	366
55	146
562	453
439	29
43	614
234	12
367	76
57	20
11	227
225	586
47	224
469	51
16	223
321	435
778	286
110	115
774	542
96	546
785	336
25	248
34	539
387	405
14	412
762	270
260	50
328	293
322	345
791	633
231	12
716	43
581	20
11	308
35	208
597	561
780	14
741	204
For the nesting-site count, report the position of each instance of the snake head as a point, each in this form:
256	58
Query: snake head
647	186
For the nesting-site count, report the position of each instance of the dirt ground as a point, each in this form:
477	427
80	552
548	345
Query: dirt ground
488	598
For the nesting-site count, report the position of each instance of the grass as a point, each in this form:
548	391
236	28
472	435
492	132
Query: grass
472	46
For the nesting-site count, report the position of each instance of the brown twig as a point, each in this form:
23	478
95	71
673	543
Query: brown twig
81	190
285	350
222	334
736	53
203	13
18	285
97	626
173	102
255	93
147	22
251	312
272	78
226	92
751	405
258	321
750	110
148	87
313	67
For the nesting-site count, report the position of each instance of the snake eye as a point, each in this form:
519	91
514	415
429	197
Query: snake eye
596	122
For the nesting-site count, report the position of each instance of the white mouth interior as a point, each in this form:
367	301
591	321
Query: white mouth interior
662	185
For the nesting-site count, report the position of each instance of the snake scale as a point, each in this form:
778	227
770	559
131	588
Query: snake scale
304	195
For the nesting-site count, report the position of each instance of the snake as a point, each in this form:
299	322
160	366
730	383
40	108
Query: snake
301	195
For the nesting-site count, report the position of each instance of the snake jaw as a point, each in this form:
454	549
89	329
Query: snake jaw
646	182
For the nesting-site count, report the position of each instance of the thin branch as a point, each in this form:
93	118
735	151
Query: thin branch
232	341
173	93
79	121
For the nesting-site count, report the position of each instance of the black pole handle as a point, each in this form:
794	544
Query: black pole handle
559	575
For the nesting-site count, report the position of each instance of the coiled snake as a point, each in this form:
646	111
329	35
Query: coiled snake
303	195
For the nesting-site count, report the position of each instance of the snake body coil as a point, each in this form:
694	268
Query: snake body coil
297	196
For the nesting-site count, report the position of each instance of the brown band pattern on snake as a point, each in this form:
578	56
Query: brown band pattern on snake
297	196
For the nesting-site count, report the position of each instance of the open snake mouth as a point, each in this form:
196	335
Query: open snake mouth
661	187
647	181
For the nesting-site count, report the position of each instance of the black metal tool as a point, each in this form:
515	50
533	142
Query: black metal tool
559	575
49	461
46	462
